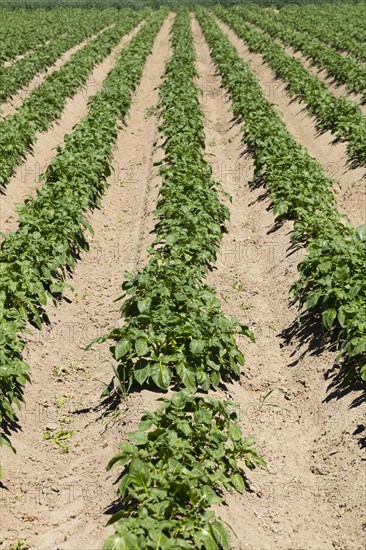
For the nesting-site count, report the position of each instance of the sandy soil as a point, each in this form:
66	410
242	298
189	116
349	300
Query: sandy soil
9	107
351	192
61	501
25	180
312	496
308	499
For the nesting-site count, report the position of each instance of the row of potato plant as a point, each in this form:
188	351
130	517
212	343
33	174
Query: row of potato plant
22	31
344	70
18	132
175	335
337	26
342	117
35	259
333	271
21	72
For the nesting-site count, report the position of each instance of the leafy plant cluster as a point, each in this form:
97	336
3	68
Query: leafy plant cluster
339	115
174	334
333	272
178	462
21	72
18	132
338	26
344	70
35	259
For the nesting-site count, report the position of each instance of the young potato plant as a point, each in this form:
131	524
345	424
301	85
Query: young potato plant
21	73
35	259
333	278
178	462
342	117
329	25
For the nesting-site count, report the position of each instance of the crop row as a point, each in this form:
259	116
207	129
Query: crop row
35	259
175	335
342	117
21	73
22	31
333	271
346	70
330	25
18	132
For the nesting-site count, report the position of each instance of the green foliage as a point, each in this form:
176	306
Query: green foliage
174	469
344	70
339	26
342	117
333	271
79	27
174	331
35	259
46	102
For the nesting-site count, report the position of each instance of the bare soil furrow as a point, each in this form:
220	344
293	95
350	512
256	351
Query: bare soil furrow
57	500
25	180
307	498
350	194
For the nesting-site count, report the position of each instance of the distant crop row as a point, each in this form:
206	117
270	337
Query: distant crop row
342	117
344	69
21	72
18	132
338	25
23	31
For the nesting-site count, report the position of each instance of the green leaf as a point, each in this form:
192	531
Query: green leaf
220	535
139	474
161	375
196	346
328	317
138	438
188	377
141	347
144	305
234	432
124	541
363	372
121	348
142	371
238	482
206	539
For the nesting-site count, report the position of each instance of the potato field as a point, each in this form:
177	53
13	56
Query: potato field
183	275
